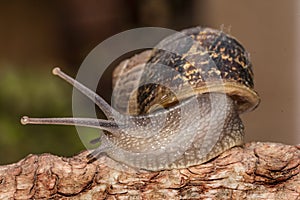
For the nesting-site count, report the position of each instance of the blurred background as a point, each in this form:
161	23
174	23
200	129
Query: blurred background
35	36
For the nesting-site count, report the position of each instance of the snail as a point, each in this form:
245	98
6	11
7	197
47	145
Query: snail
176	116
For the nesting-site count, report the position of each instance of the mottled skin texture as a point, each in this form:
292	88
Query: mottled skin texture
205	133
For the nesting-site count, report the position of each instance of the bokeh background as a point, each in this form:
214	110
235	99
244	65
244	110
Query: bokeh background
37	35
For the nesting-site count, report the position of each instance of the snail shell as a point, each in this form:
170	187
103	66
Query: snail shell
213	55
175	106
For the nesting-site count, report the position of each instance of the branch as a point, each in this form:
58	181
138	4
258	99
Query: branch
255	171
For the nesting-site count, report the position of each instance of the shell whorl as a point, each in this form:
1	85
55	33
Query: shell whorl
207	60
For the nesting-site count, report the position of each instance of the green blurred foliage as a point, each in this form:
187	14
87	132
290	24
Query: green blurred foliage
36	93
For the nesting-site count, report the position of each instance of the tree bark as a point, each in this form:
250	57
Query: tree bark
254	171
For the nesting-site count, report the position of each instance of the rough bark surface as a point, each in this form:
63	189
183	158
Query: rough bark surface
255	171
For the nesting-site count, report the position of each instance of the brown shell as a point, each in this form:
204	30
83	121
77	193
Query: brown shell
208	60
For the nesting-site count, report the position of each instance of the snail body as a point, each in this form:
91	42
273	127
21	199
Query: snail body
177	105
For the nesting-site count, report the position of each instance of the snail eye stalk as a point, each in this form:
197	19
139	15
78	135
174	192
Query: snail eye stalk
108	125
98	100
